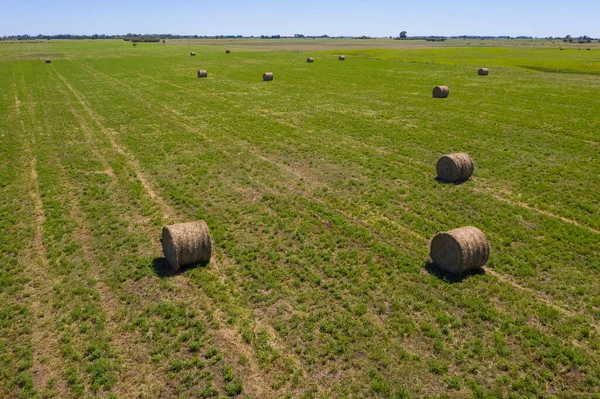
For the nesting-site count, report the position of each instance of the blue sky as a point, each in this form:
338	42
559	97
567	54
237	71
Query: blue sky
311	17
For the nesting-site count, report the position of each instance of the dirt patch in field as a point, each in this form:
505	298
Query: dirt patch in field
337	46
308	44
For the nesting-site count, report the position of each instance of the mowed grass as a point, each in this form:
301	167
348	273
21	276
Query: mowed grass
319	189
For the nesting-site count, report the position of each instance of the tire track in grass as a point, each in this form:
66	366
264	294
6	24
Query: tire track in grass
320	185
503	278
508	282
535	293
534	209
134	351
255	382
111	135
506	279
179	289
429	171
46	348
130	349
358	221
108	170
548	302
252	112
541	298
88	358
227	335
16	253
42	286
164	82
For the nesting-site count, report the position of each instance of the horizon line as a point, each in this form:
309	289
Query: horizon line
294	36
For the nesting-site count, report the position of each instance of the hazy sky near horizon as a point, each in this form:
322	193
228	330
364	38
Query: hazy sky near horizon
310	17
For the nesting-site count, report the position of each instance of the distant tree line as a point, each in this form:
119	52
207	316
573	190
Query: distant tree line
136	37
154	38
568	38
143	40
427	38
580	39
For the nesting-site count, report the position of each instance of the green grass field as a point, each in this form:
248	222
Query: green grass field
319	189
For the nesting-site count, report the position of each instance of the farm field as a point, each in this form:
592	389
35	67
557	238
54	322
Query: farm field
320	193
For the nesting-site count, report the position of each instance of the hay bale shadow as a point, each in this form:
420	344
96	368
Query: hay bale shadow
456	183
163	269
443	275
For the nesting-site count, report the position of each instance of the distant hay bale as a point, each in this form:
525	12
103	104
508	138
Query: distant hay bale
186	244
454	167
441	92
192	54
202	73
341	58
48	61
483	72
227	51
268	76
309	59
460	250
561	48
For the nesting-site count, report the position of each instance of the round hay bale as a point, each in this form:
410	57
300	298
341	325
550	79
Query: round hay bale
268	76
341	58
202	73
186	243
460	250
483	72
227	51
309	59
192	54
454	167
48	61
561	48
441	92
